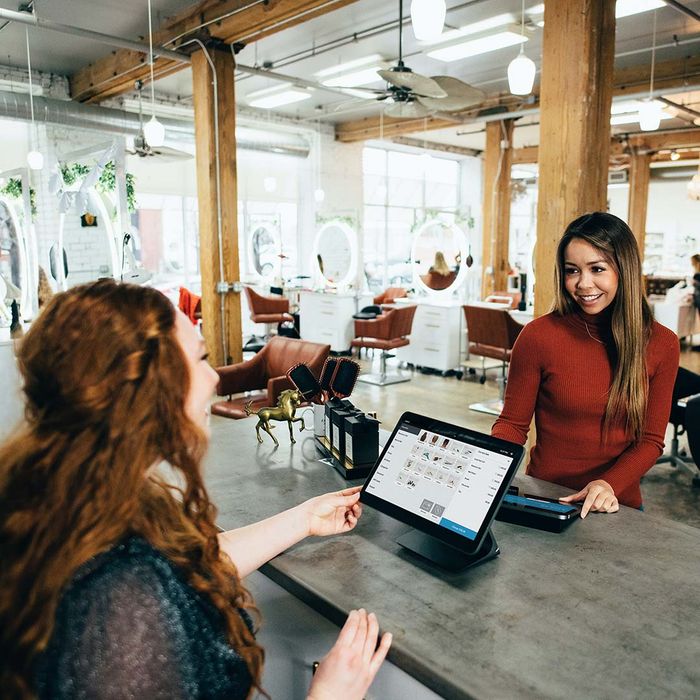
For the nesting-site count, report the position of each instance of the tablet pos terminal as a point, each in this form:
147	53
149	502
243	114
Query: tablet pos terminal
447	482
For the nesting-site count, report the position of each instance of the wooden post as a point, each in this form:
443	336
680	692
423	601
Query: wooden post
497	162
638	197
218	258
576	92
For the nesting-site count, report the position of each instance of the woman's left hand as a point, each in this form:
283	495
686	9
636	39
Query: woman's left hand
333	513
597	496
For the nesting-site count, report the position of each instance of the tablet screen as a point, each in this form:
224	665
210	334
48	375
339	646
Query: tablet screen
447	478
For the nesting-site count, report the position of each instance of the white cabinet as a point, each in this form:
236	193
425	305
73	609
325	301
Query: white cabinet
327	318
437	336
682	319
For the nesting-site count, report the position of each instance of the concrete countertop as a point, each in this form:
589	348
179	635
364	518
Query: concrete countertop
610	608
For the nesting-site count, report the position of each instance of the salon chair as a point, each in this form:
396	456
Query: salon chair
265	375
512	298
390	295
387	332
685	419
269	310
492	333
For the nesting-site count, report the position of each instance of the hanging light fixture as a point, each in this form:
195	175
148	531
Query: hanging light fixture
35	160
650	109
154	131
694	186
521	70
428	18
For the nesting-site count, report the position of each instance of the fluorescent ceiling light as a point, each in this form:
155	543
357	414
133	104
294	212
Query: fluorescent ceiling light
484	25
350	66
632	115
625	8
365	76
276	97
474	47
360	93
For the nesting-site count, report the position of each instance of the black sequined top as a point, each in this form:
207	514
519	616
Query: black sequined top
130	626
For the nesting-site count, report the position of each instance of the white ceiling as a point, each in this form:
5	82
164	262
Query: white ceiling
362	28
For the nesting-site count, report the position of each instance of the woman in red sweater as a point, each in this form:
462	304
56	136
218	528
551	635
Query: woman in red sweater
597	372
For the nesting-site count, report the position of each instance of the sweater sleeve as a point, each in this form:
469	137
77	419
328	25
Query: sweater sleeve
637	459
524	376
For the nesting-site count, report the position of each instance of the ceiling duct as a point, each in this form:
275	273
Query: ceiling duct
179	133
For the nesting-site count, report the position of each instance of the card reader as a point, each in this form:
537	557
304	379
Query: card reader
538	512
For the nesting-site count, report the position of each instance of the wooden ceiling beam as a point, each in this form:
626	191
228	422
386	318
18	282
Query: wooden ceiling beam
231	21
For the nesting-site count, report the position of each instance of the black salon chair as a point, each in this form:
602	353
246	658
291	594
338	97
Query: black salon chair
685	419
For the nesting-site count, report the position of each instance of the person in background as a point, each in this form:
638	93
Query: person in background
597	372
115	581
695	260
439	266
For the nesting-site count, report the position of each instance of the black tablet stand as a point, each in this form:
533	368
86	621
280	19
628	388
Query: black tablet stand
446	556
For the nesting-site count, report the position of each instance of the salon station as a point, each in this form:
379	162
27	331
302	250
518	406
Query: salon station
358	205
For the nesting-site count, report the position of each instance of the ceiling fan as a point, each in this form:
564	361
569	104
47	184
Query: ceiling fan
413	95
141	147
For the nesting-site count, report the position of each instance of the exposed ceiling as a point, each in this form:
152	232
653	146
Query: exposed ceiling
355	31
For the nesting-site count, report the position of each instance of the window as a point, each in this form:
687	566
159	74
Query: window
400	191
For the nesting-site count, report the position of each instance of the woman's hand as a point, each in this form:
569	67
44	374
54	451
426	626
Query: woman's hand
332	513
349	668
597	496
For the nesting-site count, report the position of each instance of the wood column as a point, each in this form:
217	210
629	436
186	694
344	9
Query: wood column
638	197
497	161
219	329
576	92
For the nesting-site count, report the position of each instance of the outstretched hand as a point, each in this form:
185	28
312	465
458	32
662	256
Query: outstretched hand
597	496
349	668
333	513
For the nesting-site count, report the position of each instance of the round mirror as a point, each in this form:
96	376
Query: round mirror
439	250
335	253
264	251
13	256
88	245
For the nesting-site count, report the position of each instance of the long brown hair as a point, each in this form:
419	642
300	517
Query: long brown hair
631	315
105	382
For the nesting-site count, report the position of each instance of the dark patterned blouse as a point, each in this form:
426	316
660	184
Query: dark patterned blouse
130	626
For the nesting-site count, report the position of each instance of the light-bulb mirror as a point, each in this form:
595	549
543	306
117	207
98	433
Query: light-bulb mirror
335	253
438	255
14	265
264	250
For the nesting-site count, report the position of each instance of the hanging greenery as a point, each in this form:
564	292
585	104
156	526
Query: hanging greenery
351	221
13	188
72	172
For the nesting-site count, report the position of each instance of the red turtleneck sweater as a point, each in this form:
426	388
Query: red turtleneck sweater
561	371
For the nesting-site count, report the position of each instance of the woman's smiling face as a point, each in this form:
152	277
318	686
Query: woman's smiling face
589	277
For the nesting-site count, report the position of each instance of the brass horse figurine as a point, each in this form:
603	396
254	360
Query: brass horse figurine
286	408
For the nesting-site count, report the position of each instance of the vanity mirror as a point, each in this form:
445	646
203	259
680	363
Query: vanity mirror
264	250
14	265
439	249
335	253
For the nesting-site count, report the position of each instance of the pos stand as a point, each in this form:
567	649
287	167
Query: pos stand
445	555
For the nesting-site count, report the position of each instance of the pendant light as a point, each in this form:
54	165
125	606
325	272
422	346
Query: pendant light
428	18
154	131
521	70
650	109
34	159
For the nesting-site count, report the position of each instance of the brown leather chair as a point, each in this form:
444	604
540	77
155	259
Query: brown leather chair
386	332
492	333
267	310
389	295
265	374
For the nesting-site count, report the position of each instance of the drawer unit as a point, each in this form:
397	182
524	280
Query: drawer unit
436	337
327	318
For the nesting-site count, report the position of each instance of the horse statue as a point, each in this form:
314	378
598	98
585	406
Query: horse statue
287	404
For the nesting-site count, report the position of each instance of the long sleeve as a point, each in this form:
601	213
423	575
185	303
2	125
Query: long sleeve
637	459
524	377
